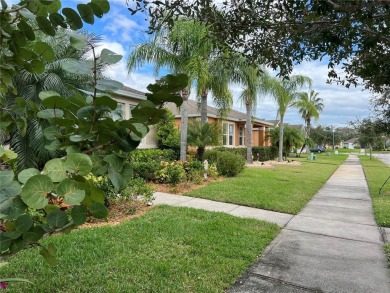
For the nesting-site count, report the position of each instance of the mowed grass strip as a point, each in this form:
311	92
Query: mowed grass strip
376	174
284	189
168	249
386	247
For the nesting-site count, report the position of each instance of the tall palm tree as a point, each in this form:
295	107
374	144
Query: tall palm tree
252	77
186	48
292	137
30	146
310	106
285	93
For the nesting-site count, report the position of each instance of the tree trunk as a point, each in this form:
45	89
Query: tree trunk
203	106
370	151
248	133
281	128
308	126
184	126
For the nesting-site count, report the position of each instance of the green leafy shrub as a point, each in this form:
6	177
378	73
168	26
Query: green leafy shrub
104	184
147	170
171	172
212	171
227	163
211	156
138	190
195	175
237	151
194	165
230	165
145	155
167	134
261	153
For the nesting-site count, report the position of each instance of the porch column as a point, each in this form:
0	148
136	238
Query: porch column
262	139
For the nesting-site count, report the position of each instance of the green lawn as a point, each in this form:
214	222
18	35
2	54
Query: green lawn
284	189
387	251
376	174
166	250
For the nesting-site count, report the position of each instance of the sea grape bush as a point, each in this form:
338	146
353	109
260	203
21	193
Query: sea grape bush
33	202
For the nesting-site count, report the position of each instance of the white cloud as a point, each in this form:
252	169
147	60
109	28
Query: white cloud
120	26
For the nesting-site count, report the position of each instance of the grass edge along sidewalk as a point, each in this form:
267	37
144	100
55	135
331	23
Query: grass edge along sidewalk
285	189
166	249
376	173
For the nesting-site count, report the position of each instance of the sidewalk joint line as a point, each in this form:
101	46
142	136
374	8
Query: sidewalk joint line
337	237
371	225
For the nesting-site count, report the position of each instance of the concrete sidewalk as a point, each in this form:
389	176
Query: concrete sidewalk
333	245
215	206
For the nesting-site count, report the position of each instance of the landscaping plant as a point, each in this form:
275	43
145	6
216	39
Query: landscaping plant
38	202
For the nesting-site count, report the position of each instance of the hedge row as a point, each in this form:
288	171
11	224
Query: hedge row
260	153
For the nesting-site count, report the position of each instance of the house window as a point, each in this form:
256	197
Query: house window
131	107
241	136
227	133
118	113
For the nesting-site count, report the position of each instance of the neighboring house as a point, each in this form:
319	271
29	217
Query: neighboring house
127	99
233	125
350	143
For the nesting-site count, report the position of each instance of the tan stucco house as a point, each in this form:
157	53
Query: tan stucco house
233	125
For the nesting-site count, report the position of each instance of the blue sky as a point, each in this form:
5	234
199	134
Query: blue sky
120	31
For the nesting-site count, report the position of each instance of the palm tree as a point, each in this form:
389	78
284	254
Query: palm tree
285	93
292	137
203	135
30	144
310	106
187	49
253	79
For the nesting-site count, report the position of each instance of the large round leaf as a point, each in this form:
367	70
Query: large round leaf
57	218
23	223
69	191
98	210
57	19
47	94
78	66
55	102
27	174
51	132
27	30
103	4
44	50
34	192
35	66
12	188
108	85
106	101
72	18
79	215
86	13
6	177
109	57
15	208
78	41
50	113
45	25
78	163
34	234
96	9
5	243
55	169
116	179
